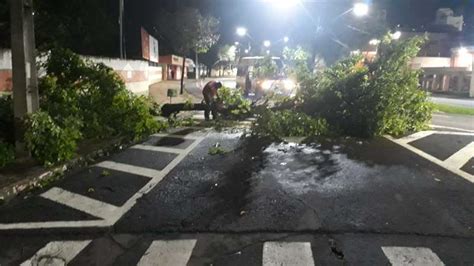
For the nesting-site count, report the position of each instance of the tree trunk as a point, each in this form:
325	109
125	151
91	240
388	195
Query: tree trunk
197	65
182	74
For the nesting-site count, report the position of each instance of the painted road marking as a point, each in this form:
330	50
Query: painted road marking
460	158
57	253
168	253
416	136
112	218
128	168
403	256
452	164
155	180
85	204
158	149
287	253
452	128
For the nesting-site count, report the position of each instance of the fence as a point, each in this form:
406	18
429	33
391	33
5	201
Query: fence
138	75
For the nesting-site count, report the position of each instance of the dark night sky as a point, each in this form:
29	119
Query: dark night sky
265	22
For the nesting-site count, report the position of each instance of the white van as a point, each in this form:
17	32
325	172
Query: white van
252	85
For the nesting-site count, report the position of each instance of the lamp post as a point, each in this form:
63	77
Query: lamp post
121	6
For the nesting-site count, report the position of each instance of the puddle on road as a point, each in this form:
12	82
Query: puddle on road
300	169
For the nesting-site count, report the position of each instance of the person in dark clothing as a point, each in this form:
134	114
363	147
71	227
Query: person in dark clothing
211	98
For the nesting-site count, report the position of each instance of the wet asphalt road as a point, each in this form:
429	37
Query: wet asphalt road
341	202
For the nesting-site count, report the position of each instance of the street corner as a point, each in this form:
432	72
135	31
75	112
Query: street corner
450	148
97	196
245	249
326	184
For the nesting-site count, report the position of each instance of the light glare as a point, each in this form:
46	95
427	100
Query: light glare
361	9
396	35
241	31
282	4
267	43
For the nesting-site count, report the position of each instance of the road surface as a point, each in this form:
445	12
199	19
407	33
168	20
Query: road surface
465	122
167	201
468	103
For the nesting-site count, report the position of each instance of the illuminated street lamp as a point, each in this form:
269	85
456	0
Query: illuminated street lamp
374	42
268	51
396	35
246	51
360	9
267	43
236	43
286	39
241	31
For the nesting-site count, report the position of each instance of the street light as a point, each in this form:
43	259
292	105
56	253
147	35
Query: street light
374	42
360	9
268	51
286	39
246	51
236	43
241	31
396	35
267	43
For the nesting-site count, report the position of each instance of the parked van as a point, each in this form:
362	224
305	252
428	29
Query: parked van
253	82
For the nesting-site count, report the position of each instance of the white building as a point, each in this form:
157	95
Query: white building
446	17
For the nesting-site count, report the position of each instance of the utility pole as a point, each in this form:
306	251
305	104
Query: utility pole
121	27
25	82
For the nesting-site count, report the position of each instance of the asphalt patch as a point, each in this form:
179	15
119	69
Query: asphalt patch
113	187
327	185
442	146
144	158
37	209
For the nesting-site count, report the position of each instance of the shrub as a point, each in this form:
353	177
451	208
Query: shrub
377	98
95	94
7	154
131	116
234	103
47	141
287	123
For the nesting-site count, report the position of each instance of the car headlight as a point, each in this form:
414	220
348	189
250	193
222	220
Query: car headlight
267	84
289	84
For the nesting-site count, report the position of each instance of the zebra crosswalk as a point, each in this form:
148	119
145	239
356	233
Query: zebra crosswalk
179	252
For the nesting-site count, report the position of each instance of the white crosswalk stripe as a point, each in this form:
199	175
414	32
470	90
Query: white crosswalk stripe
460	158
178	252
410	256
287	253
131	169
453	164
168	253
57	253
158	149
91	206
